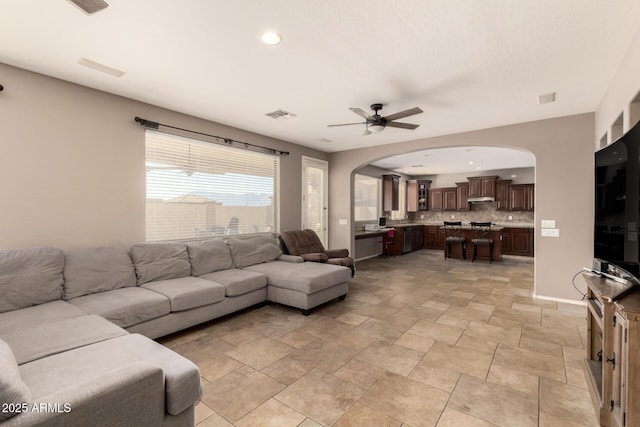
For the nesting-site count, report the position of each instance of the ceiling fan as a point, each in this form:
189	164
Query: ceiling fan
376	123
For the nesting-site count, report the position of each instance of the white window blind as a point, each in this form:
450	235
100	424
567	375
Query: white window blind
197	190
402	201
367	195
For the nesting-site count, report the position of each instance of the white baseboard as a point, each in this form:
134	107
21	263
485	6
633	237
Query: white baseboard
366	257
566	301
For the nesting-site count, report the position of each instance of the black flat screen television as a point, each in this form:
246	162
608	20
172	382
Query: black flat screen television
617	206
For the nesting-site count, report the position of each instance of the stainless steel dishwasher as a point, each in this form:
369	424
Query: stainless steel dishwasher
407	241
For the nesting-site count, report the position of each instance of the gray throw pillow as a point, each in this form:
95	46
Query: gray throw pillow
209	256
30	277
13	391
253	250
91	270
160	261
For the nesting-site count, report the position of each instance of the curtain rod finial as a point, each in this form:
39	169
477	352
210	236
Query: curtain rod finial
147	123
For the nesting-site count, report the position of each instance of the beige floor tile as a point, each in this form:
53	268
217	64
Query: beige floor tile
375	310
297	339
216	366
436	331
494	403
435	376
536	302
419	312
309	423
519	314
517	380
538	364
352	318
467	314
543	347
407	400
214	420
436	305
260	353
202	412
500	334
487	308
393	358
321	396
287	370
548	420
360	373
452	418
386	330
203	347
553	334
453	321
327	356
477	344
459	359
241	335
238	393
271	414
364	416
563	319
415	342
566	402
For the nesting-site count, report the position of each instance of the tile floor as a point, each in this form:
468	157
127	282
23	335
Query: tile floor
419	341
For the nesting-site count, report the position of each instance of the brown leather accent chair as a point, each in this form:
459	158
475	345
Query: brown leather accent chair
307	244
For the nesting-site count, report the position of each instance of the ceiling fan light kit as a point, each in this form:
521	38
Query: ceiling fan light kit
376	123
90	6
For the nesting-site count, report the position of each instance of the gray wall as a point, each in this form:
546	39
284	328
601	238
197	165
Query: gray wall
72	168
563	148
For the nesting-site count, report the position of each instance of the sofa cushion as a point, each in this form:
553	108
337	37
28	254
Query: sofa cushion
91	270
182	377
308	277
35	315
238	282
38	341
30	277
187	292
125	306
12	389
160	261
209	256
315	257
253	250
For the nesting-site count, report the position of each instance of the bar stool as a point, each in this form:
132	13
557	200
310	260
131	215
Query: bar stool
388	239
481	237
453	236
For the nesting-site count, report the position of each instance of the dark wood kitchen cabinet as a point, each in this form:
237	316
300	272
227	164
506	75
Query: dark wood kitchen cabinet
417	195
449	198
521	197
435	199
433	237
517	241
390	189
462	193
482	186
502	194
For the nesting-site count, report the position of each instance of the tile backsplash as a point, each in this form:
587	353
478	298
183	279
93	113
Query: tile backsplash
478	212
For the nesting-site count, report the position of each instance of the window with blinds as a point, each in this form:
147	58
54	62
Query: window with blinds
367	197
198	190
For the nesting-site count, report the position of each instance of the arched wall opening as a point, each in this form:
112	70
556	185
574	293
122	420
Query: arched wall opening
563	149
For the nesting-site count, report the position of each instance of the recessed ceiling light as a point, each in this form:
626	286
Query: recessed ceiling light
270	37
471	162
478	167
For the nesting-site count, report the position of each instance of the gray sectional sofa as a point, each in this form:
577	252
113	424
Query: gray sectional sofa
76	327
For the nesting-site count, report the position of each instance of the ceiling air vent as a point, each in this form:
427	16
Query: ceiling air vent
280	114
90	6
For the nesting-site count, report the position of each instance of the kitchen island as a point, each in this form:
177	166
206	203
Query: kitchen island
495	233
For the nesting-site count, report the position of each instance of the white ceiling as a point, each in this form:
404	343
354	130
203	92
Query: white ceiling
468	64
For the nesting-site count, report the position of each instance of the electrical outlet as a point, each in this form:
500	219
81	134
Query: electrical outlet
510	217
453	217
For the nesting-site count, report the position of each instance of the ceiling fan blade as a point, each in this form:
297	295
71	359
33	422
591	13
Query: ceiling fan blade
405	113
347	124
402	125
360	112
366	132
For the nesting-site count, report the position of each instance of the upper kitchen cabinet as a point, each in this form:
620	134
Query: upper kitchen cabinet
449	198
462	195
417	195
502	194
390	189
521	197
435	199
482	186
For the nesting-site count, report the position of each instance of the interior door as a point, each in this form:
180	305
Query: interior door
315	183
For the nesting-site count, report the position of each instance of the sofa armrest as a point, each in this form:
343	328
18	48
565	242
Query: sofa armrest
131	395
337	253
290	258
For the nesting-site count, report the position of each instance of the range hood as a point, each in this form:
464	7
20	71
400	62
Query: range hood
481	199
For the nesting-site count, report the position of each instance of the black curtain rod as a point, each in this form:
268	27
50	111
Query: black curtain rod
155	125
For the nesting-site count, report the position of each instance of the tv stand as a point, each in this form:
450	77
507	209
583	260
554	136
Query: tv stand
613	351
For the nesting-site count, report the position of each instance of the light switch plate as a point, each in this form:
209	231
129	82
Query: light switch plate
551	232
548	223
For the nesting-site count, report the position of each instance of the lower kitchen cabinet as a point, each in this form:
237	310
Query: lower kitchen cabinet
517	241
433	237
